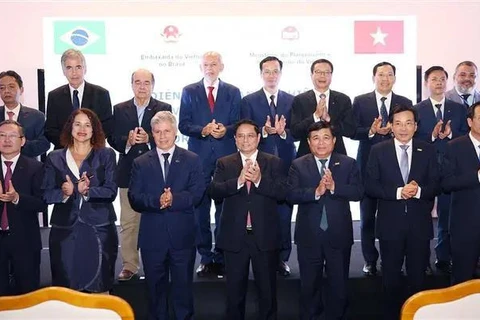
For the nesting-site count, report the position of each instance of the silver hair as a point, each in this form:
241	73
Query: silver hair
164	116
73	54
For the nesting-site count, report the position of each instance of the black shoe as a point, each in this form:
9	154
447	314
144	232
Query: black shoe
219	270
205	270
444	266
283	269
370	269
428	270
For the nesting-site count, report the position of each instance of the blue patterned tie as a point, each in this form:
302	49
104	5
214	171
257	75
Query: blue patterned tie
465	99
75	101
383	112
438	114
323	220
273	110
404	163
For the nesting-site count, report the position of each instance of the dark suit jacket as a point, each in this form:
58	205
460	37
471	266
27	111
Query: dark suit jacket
261	202
398	218
59	108
454	112
460	177
98	209
176	224
453	95
303	179
341	115
195	114
365	110
23	217
256	107
32	122
125	119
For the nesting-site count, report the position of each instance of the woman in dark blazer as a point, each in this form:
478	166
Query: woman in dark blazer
80	182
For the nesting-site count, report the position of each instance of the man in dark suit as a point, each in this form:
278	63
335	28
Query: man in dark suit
270	108
76	94
33	121
167	182
439	121
322	184
132	137
322	104
465	81
402	173
461	177
250	183
371	112
20	202
208	111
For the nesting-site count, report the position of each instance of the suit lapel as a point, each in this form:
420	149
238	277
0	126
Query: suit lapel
148	114
447	111
157	172
131	113
87	96
202	96
416	165
2	113
313	168
67	99
372	103
391	157
175	165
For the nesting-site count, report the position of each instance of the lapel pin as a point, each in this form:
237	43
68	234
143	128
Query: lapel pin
177	161
337	163
418	149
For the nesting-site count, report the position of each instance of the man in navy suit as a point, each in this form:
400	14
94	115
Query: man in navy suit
402	173
461	177
270	108
33	121
167	182
322	104
20	202
132	137
372	128
465	80
250	183
208	111
76	94
322	184
439	121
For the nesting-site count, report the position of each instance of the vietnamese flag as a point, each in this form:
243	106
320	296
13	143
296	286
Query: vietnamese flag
378	36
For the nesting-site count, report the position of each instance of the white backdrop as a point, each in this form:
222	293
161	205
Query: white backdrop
171	47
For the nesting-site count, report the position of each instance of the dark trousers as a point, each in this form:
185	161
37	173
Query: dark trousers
24	265
368	211
203	222
393	254
465	255
442	249
311	261
285	229
264	265
161	265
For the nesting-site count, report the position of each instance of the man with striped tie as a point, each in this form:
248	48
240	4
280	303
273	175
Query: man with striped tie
465	80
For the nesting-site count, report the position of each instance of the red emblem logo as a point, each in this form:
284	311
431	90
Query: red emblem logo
171	34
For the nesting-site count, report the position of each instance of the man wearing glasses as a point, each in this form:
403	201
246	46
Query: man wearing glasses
270	108
465	80
322	104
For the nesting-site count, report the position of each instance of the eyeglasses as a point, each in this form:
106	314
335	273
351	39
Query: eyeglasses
322	73
275	72
4	136
249	136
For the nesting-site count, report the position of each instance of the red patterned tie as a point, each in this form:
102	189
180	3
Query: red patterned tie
249	185
8	177
10	115
211	100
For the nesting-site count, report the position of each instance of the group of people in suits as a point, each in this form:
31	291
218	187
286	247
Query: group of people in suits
241	155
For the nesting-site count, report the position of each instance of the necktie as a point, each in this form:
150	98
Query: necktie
166	166
465	99
383	112
249	185
8	177
438	114
404	163
323	220
211	100
10	115
75	101
273	110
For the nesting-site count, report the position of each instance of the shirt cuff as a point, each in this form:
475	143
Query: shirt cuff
258	183
284	135
66	199
370	136
16	202
399	193
419	192
264	132
315	118
450	135
433	138
127	148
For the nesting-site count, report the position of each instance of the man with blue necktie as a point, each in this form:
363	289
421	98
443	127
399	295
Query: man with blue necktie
270	108
465	80
209	110
439	121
